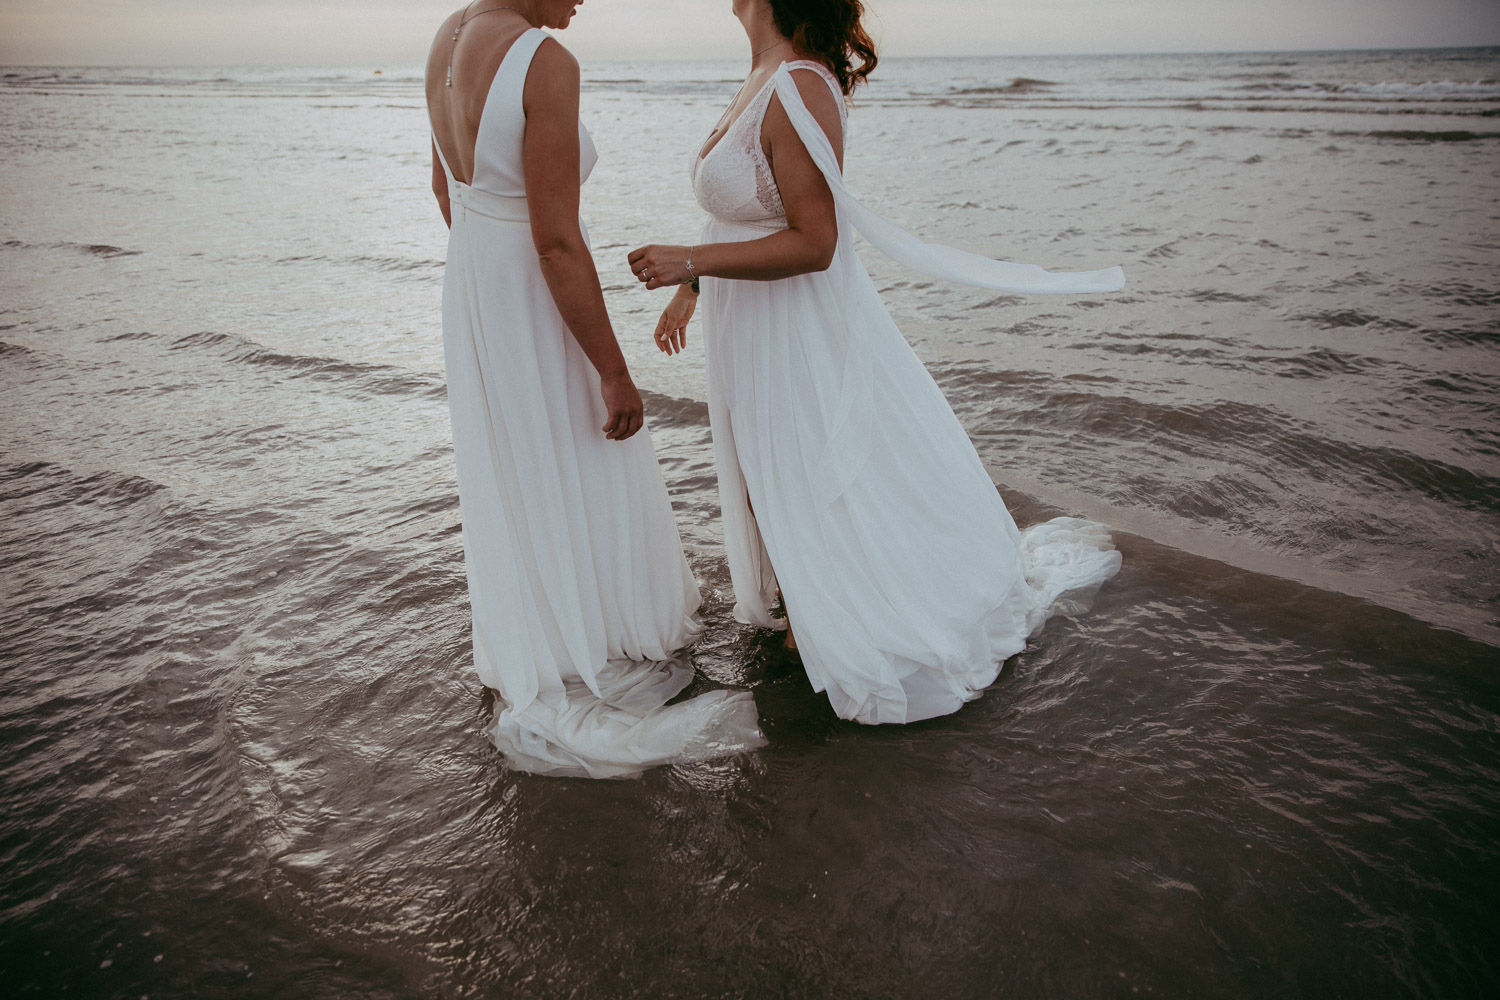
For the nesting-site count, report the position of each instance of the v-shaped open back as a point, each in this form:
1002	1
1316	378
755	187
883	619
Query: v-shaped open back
502	125
498	140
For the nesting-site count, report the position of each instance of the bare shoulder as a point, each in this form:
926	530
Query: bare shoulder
817	97
445	30
552	81
816	93
554	63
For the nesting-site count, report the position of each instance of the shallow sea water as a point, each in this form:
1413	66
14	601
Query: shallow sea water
242	734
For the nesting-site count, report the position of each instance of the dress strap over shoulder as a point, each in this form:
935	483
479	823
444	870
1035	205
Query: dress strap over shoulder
826	74
517	60
930	258
847	447
502	125
509	82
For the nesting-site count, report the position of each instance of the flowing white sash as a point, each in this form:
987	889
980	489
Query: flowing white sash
929	258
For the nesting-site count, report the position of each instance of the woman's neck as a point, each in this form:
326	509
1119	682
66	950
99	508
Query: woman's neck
768	46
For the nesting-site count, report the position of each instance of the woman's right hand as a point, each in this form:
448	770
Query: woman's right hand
671	329
623	401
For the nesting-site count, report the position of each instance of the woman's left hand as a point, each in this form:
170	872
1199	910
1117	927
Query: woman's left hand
660	266
671	329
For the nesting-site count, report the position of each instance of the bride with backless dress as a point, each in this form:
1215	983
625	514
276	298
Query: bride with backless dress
848	487
577	580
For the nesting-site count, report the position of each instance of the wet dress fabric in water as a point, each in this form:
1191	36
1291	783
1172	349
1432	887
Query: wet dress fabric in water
577	579
845	479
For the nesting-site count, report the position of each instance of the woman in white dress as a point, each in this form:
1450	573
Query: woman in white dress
575	568
845	480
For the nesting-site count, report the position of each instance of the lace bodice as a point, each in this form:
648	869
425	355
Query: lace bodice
734	182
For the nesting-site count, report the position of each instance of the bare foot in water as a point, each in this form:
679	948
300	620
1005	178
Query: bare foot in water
791	640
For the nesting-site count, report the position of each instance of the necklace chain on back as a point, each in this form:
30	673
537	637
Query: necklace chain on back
467	17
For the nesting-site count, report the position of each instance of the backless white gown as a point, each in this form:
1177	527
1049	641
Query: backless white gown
575	568
903	573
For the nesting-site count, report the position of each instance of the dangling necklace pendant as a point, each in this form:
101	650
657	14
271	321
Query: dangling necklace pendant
456	29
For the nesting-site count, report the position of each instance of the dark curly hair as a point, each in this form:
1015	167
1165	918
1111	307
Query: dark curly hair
830	30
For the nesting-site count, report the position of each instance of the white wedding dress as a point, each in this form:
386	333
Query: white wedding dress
903	573
575	567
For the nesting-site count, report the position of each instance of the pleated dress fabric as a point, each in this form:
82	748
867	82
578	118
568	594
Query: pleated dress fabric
577	579
904	576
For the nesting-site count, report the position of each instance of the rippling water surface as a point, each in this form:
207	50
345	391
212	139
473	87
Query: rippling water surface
242	734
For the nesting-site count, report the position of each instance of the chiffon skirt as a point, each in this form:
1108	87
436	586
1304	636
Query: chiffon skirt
904	576
575	568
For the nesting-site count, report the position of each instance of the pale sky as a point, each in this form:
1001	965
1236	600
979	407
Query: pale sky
398	32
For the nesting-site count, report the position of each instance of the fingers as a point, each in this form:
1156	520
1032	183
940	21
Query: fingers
624	424
670	334
636	422
657	266
638	265
666	335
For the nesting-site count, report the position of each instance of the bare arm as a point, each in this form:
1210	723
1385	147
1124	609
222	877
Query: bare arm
550	158
808	242
440	187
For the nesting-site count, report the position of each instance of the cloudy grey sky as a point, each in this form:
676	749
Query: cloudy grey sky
397	32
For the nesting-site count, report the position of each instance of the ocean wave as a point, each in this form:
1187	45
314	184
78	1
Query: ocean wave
674	411
397	264
92	249
1467	337
98	249
1334	319
1018	85
1216	295
708	88
1464	294
35	486
1416	135
387	264
1174	81
1248	436
1427	90
1320	362
380	379
19	353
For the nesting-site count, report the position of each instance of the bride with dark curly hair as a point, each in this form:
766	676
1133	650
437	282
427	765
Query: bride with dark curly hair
848	487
